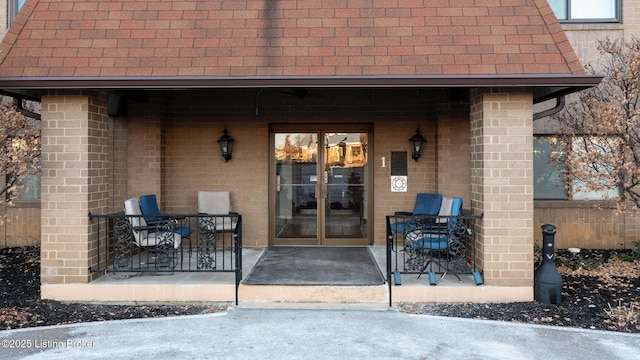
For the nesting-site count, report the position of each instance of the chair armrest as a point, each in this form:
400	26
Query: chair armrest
404	213
142	228
230	213
155	220
433	228
165	221
440	230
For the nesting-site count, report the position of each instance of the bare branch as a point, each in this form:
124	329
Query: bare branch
601	130
19	150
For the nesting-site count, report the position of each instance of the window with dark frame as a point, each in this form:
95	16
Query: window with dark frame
549	182
31	189
548	177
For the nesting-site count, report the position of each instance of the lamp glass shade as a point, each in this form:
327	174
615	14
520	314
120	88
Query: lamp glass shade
417	143
226	145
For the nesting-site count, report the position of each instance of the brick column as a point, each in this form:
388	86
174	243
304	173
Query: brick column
502	184
75	165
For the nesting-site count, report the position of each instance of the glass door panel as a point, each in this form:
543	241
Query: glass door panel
319	183
345	174
296	182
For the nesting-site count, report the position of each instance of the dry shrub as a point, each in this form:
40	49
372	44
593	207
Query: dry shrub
624	315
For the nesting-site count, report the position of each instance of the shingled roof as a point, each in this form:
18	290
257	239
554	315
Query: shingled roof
109	42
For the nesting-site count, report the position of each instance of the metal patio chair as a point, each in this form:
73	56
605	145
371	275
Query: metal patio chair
436	242
152	215
216	203
217	222
425	208
160	238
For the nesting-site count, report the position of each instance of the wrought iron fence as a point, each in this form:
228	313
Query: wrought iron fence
168	244
432	246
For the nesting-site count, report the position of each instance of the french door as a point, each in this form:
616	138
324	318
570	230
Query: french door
319	185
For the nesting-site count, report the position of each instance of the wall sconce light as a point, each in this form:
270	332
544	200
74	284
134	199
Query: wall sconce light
226	145
417	143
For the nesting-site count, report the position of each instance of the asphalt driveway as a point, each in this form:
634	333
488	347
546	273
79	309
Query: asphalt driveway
276	332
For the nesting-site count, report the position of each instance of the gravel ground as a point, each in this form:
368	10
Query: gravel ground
601	290
21	306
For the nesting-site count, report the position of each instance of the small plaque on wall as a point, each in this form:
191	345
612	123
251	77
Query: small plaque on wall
398	184
398	171
399	163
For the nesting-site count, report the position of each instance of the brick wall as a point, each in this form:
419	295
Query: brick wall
119	168
390	136
144	150
192	161
631	18
454	161
190	155
21	226
502	188
580	225
175	153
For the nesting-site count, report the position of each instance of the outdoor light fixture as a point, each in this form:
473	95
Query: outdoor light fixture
417	143
226	145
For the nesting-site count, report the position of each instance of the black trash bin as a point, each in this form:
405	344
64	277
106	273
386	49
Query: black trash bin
547	280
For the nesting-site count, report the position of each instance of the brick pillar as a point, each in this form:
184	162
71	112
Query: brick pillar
75	181
502	184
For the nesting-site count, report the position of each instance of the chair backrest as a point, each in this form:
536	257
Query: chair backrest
214	202
427	204
149	206
140	233
451	206
132	207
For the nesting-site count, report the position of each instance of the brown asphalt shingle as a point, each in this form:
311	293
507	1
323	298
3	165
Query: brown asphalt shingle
165	38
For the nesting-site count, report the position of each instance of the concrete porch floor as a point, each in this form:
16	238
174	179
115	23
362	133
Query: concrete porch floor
219	287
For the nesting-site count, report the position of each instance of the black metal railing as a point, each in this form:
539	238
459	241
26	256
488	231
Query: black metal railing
168	244
431	245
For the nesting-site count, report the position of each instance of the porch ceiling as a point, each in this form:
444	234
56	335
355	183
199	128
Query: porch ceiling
256	43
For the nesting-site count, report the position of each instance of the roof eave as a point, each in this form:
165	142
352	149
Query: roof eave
391	81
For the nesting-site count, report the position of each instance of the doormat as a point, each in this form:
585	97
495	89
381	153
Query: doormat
306	231
298	265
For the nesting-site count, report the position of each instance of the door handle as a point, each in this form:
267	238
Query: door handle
321	191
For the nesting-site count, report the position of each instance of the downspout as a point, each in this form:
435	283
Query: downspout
25	112
258	102
560	103
17	101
